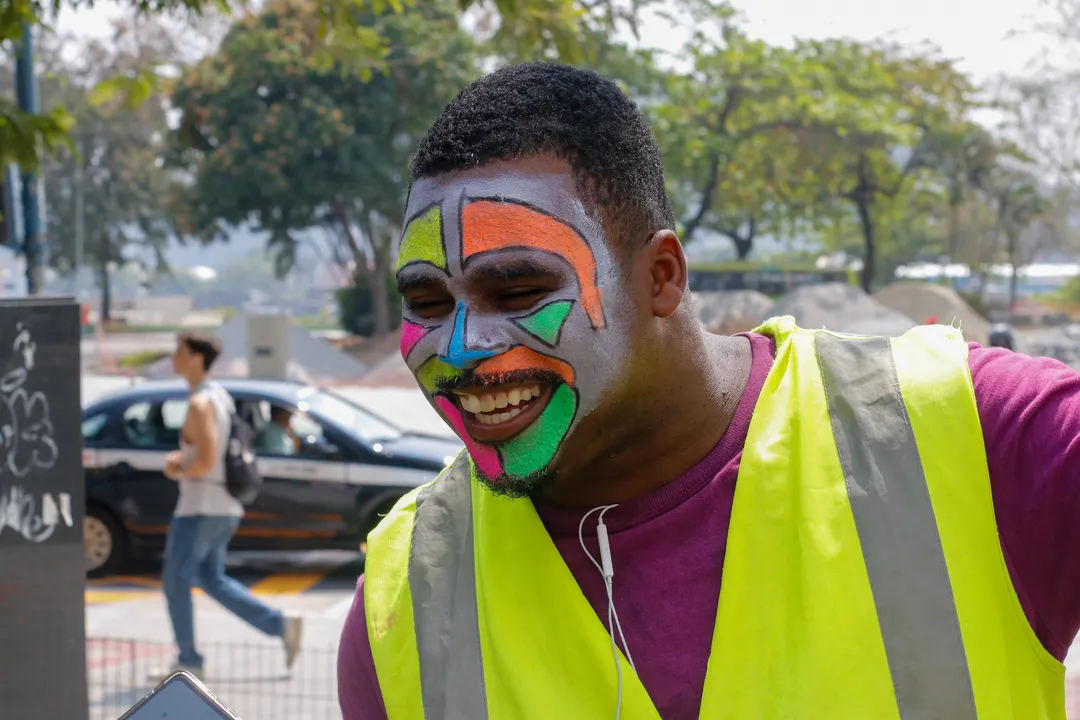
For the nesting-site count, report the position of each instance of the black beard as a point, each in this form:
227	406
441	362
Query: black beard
517	488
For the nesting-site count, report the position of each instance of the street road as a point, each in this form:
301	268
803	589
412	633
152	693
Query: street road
128	636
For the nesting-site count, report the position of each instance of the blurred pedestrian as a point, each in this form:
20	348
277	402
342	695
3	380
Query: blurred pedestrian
207	515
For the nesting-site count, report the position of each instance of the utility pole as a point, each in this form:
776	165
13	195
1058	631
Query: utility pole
33	242
80	239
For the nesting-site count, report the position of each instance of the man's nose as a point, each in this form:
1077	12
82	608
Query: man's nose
473	340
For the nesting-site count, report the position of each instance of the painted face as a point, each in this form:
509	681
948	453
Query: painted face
510	292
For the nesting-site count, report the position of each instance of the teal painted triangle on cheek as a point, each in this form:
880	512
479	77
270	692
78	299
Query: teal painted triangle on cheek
547	322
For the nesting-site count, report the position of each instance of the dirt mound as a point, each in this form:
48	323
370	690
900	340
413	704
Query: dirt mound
841	308
732	311
928	303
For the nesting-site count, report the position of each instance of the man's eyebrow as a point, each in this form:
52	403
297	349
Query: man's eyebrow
418	281
516	269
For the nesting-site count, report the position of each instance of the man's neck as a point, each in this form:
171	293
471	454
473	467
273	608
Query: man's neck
686	422
195	380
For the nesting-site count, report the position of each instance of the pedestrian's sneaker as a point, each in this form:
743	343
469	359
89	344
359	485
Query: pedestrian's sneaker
294	628
158	676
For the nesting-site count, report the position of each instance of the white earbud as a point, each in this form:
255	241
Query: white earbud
607	570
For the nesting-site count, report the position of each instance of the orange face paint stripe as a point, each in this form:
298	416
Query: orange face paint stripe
523	358
487	225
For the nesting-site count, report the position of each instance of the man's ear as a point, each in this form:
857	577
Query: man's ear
667	272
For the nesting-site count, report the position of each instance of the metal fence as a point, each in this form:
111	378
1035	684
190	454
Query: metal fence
250	678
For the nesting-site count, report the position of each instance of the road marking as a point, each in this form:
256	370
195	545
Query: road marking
101	597
140	580
287	583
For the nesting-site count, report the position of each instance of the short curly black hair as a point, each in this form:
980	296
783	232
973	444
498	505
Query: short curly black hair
566	112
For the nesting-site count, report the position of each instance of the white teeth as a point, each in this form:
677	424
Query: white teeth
483	407
494	419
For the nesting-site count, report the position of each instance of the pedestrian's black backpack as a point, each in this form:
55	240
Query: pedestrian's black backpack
242	478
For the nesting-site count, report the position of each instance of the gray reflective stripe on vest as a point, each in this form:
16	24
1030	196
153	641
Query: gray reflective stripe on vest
442	580
897	529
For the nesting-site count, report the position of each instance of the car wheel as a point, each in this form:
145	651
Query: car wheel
104	542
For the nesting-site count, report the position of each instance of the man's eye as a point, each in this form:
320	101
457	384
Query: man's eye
523	293
521	297
430	308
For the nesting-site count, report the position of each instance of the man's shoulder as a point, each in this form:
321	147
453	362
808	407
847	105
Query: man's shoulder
1014	381
201	407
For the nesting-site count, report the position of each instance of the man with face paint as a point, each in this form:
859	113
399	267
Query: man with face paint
894	520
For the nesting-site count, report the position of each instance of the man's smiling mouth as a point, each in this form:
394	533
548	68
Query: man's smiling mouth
496	413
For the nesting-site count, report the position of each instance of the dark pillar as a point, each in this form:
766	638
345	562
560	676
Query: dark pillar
42	565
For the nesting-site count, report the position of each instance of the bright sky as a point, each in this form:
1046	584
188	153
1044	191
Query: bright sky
976	32
972	31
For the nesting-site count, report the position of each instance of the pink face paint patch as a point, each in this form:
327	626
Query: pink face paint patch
485	457
411	333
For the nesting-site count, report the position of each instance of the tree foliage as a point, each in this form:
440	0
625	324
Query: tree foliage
760	139
540	27
273	137
112	179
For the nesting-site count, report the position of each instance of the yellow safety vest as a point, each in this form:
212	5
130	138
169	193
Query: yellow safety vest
863	580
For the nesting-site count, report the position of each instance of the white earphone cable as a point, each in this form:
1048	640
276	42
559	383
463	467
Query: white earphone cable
607	571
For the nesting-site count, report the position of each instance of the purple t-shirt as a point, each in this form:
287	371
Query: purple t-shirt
676	536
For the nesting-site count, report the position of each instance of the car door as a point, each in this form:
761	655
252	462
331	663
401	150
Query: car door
133	455
302	502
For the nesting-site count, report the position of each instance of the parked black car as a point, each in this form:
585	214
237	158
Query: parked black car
350	468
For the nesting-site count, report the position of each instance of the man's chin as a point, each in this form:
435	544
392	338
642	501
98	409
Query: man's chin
514	487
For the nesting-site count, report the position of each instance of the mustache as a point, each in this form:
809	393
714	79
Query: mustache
474	380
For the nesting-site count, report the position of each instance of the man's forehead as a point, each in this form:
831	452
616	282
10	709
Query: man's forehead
544	184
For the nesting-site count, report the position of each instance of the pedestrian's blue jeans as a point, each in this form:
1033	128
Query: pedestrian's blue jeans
195	553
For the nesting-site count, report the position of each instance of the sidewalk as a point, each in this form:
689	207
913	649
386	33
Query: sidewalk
130	638
250	678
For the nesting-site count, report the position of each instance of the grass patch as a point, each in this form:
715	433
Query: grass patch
139	360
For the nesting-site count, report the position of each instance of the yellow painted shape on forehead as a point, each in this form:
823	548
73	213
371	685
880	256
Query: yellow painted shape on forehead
422	241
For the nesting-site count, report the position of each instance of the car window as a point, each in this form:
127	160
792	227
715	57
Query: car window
92	426
349	417
304	437
311	435
173	414
139	429
155	424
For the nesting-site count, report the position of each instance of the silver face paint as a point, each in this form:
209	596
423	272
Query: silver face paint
470	234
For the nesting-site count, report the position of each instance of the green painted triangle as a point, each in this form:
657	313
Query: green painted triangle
546	322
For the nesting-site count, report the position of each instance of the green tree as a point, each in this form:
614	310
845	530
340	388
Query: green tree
540	27
274	138
724	128
964	159
356	308
111	181
882	106
1023	219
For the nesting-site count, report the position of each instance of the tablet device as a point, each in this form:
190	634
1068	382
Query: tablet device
180	697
